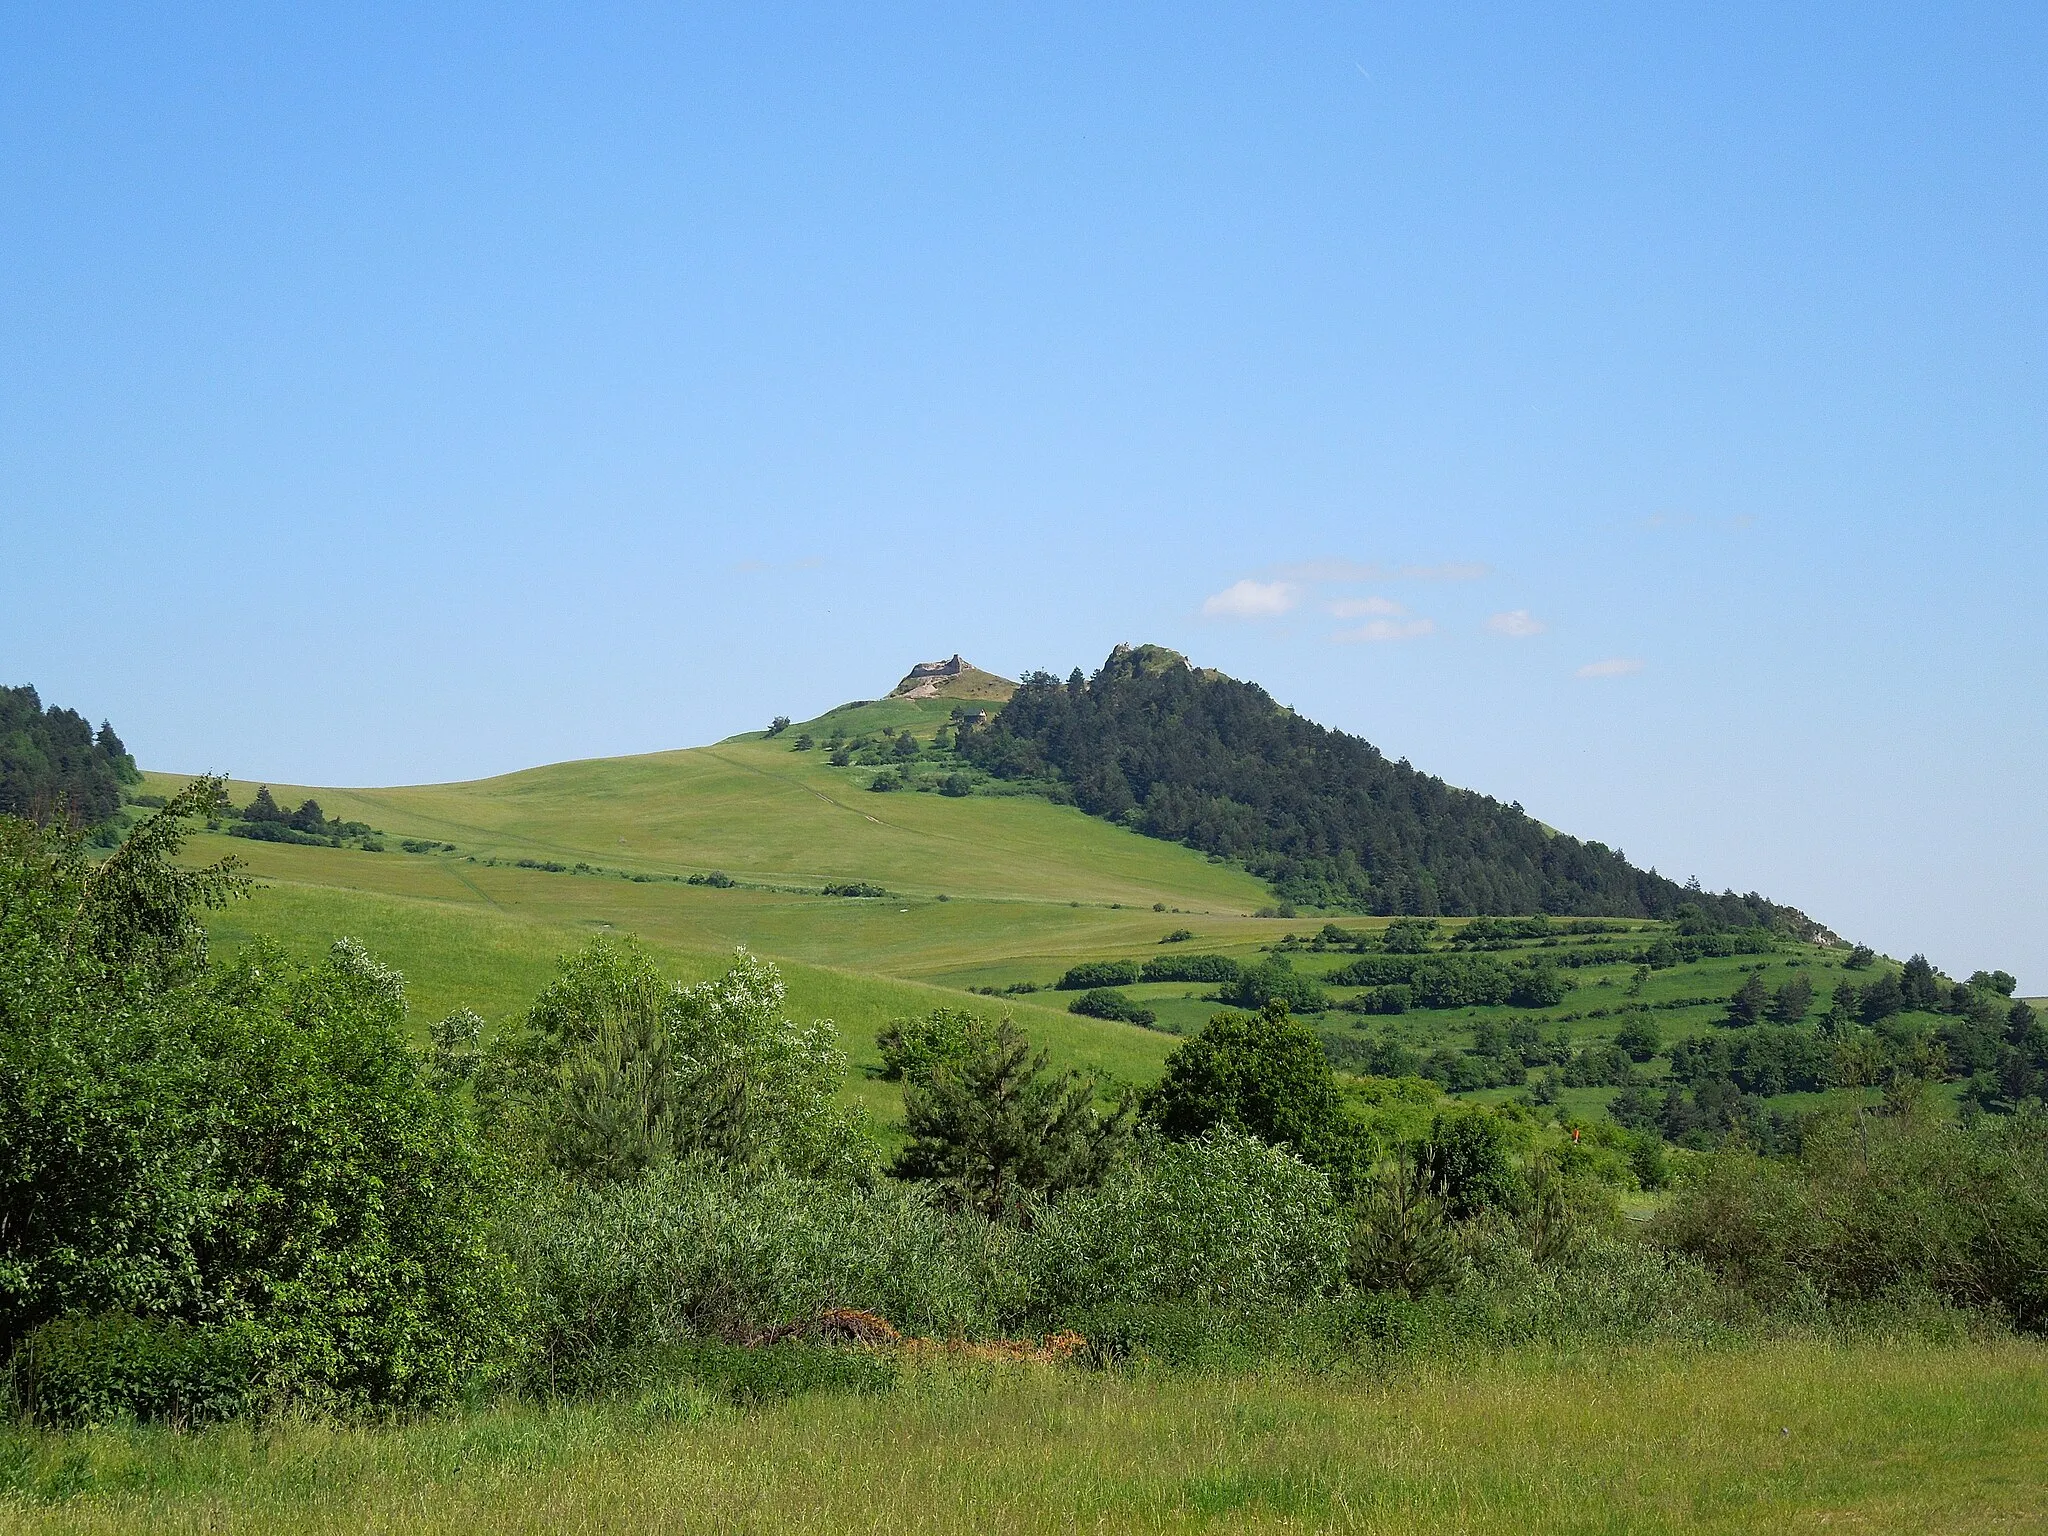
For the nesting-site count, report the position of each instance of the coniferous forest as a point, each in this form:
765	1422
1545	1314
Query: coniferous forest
54	766
1215	763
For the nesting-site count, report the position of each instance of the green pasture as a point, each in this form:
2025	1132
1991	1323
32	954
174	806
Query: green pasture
495	960
766	814
1873	1436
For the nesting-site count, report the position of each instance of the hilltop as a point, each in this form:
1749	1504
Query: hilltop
953	678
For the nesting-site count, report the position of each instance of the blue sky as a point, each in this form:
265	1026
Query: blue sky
1633	412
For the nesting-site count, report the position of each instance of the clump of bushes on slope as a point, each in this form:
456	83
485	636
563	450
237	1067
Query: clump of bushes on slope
1878	1203
1099	973
250	1150
1255	986
1108	1003
1198	968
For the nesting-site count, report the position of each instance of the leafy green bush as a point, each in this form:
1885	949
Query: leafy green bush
1223	1220
913	1047
1198	968
1274	982
91	1370
693	1252
1265	1074
616	1070
1540	986
1100	973
1409	936
1108	1003
1464	1162
1879	1204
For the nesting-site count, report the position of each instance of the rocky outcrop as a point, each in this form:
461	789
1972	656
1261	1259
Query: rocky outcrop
953	678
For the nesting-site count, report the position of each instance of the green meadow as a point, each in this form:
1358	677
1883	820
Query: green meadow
1798	1436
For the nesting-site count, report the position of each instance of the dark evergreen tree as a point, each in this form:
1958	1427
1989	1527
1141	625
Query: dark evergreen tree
264	808
1790	1002
993	1129
1748	1004
1883	998
1919	985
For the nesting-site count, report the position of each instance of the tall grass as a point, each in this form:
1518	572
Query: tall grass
1867	1436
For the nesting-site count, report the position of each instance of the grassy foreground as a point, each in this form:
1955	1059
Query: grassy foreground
1790	1436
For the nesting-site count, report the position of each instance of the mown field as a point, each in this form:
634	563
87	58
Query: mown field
1796	1436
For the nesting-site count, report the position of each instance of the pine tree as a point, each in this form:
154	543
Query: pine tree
993	1129
1790	1002
1747	1005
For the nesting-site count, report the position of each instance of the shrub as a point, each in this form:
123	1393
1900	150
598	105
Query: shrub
1409	936
1274	982
1398	998
90	1370
254	1144
616	1273
1197	968
860	888
616	1071
1639	1037
992	1130
1100	973
1108	1003
1876	1206
1223	1220
1540	986
1464	1163
912	1048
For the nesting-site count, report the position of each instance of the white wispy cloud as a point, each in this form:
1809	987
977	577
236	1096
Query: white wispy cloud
1366	608
1250	599
1388	629
1615	666
1518	623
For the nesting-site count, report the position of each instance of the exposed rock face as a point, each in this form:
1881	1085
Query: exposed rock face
952	668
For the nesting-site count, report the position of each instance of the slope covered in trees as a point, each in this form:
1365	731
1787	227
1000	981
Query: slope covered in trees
54	767
1215	763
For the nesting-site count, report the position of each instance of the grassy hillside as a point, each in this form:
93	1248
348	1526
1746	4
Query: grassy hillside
475	888
975	882
763	813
